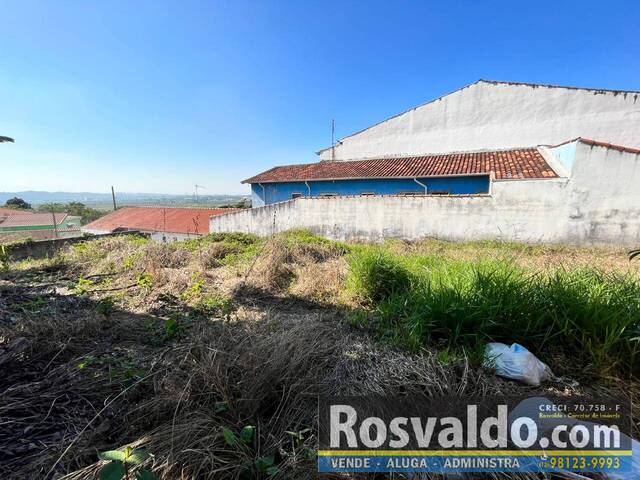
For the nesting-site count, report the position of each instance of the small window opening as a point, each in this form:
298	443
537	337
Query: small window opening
296	195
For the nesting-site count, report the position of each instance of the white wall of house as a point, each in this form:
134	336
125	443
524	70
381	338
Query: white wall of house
604	196
493	116
153	235
168	237
599	203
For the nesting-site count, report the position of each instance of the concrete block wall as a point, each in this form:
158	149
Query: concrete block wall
412	217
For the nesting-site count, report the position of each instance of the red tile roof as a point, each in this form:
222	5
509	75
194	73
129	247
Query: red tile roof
32	219
518	163
158	219
596	143
612	146
10	211
36	235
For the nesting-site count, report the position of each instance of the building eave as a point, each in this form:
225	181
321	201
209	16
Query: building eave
403	177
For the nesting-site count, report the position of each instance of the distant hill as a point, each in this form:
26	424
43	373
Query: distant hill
103	200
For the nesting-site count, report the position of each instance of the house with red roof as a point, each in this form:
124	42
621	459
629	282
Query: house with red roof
492	160
25	224
165	224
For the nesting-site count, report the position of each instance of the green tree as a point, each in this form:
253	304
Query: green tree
79	209
18	203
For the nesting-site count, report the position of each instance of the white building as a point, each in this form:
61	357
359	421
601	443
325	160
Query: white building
590	138
489	115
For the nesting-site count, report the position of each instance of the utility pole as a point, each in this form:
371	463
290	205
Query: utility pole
113	197
55	223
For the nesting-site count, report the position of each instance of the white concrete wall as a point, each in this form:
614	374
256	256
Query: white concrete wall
169	237
156	236
494	116
598	204
604	196
413	217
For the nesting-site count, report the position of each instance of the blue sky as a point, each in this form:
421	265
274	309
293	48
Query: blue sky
154	96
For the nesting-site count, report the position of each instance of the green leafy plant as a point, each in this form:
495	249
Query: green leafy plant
298	437
87	361
171	328
106	306
32	306
246	434
82	286
297	441
89	250
445	356
144	280
121	461
216	304
266	465
229	437
221	407
195	288
131	376
129	262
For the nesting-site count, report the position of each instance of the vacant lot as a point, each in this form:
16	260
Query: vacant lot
179	348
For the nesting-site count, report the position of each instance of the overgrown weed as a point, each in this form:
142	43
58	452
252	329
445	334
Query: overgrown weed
420	300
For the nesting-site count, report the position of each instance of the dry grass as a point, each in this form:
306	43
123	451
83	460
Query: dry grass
83	378
535	257
286	266
321	282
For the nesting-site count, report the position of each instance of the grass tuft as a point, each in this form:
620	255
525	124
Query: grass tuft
377	275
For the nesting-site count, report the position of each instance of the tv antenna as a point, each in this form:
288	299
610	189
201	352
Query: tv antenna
333	143
197	187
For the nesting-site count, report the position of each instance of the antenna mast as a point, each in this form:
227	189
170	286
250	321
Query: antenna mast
197	187
333	143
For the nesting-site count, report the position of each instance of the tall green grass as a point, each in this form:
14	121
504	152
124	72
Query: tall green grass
421	299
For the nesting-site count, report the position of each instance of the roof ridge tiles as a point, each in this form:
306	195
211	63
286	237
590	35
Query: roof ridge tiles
509	163
551	85
597	143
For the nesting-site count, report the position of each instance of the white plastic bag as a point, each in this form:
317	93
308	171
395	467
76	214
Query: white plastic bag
517	363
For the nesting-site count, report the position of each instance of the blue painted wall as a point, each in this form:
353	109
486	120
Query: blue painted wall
279	192
566	153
